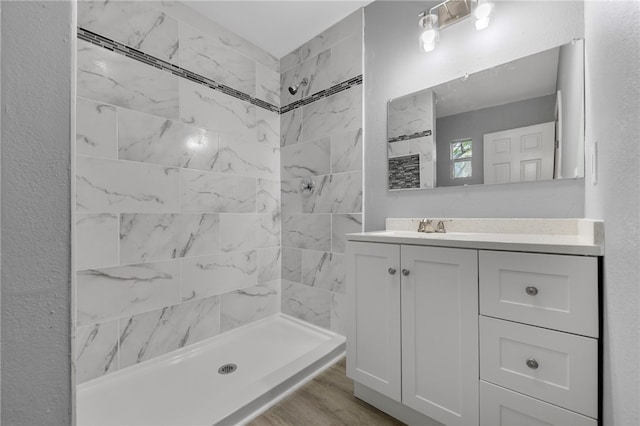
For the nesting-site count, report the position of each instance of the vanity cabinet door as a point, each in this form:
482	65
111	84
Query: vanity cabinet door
373	332
440	333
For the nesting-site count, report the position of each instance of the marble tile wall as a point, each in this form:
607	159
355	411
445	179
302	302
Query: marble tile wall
321	147
178	216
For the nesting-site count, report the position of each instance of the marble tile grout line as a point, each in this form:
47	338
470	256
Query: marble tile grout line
123	49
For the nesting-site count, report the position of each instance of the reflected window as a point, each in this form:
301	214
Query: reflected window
461	154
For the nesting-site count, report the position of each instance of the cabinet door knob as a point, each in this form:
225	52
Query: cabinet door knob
532	363
405	272
392	271
531	291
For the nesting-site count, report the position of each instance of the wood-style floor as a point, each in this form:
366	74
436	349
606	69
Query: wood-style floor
326	400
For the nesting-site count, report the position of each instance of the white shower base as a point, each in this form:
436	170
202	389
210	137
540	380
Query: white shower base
184	387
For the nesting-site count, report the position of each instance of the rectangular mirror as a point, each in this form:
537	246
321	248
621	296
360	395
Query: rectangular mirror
517	122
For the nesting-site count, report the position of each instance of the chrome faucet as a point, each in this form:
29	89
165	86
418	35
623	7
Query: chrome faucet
440	227
425	225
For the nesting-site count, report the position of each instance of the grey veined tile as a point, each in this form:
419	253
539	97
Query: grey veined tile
342	224
96	350
248	305
268	196
291	127
308	231
134	23
96	129
267	85
269	264
247	48
346	59
150	237
307	303
120	186
148	139
339	309
350	25
410	114
109	293
246	158
248	231
305	159
220	273
292	264
337	193
210	58
201	106
268	125
158	332
96	240
115	79
323	270
337	113
346	151
316	70
214	192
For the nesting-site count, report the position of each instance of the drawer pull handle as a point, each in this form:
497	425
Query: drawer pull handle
532	363
405	272
392	271
531	291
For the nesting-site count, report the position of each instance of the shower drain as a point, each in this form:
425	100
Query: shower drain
227	369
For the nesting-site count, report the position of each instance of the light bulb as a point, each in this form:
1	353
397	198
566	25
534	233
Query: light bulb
483	23
430	35
483	13
483	10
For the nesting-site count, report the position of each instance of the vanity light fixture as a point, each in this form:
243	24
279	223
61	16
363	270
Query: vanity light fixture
448	13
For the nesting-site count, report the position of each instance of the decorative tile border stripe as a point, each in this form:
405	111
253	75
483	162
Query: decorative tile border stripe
114	46
340	87
404	172
412	136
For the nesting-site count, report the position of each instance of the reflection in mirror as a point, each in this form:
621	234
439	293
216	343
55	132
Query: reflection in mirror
517	122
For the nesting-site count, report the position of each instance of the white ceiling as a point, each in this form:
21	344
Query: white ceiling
277	26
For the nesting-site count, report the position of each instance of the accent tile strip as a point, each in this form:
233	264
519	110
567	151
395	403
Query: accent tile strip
355	81
123	49
404	172
412	136
114	46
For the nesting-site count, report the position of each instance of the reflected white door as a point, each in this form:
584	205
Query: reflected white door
519	155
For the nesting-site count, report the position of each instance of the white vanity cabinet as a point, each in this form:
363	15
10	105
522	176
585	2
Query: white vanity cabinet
413	329
469	335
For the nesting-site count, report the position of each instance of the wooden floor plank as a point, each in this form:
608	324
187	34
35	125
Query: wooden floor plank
326	400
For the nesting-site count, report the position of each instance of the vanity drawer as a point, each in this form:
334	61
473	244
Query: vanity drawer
556	367
502	407
552	291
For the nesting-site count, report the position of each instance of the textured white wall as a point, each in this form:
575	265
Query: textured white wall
36	214
612	36
394	66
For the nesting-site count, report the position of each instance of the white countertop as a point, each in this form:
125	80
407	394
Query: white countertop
537	243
